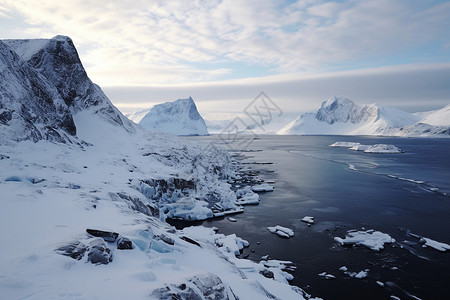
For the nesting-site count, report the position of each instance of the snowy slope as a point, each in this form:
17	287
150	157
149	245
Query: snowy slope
340	115
439	117
179	117
137	116
109	175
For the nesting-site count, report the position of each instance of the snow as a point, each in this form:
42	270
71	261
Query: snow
371	239
382	148
360	147
357	275
439	117
179	117
137	116
327	276
111	176
344	144
342	116
443	247
263	187
281	231
377	148
309	220
246	196
37	218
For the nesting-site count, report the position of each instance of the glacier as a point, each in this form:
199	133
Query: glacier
69	161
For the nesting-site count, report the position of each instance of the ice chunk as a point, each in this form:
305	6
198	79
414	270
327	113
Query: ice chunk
373	240
327	276
246	196
263	187
435	244
309	220
380	284
361	274
189	209
231	219
232	243
344	144
281	231
382	148
360	147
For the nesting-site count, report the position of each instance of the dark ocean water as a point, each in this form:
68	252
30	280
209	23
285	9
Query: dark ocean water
397	194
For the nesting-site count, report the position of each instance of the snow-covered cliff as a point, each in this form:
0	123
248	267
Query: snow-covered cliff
180	117
58	62
30	106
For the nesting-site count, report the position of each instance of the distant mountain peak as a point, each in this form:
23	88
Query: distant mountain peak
179	117
340	115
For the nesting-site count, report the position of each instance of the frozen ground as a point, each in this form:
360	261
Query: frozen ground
51	193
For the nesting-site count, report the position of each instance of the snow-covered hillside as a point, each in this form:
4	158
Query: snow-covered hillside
440	117
340	115
179	117
137	116
102	172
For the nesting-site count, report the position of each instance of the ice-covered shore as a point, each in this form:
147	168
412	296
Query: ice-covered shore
84	195
52	192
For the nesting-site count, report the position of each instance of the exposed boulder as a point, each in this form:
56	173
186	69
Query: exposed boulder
205	286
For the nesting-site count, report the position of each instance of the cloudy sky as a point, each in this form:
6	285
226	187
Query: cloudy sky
223	53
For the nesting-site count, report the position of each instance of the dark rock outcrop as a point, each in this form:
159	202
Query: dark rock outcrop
204	286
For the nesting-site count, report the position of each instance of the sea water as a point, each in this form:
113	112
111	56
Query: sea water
405	195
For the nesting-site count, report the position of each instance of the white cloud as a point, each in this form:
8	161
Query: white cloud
138	42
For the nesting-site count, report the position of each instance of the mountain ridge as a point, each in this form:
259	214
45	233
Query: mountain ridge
340	115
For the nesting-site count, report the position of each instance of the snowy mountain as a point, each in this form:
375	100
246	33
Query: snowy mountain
30	106
179	117
137	116
439	117
85	194
340	115
58	62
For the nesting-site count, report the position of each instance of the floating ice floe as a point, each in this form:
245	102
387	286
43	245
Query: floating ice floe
327	276
383	148
358	275
373	240
380	284
377	148
360	147
231	219
281	231
309	220
263	187
344	144
443	247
